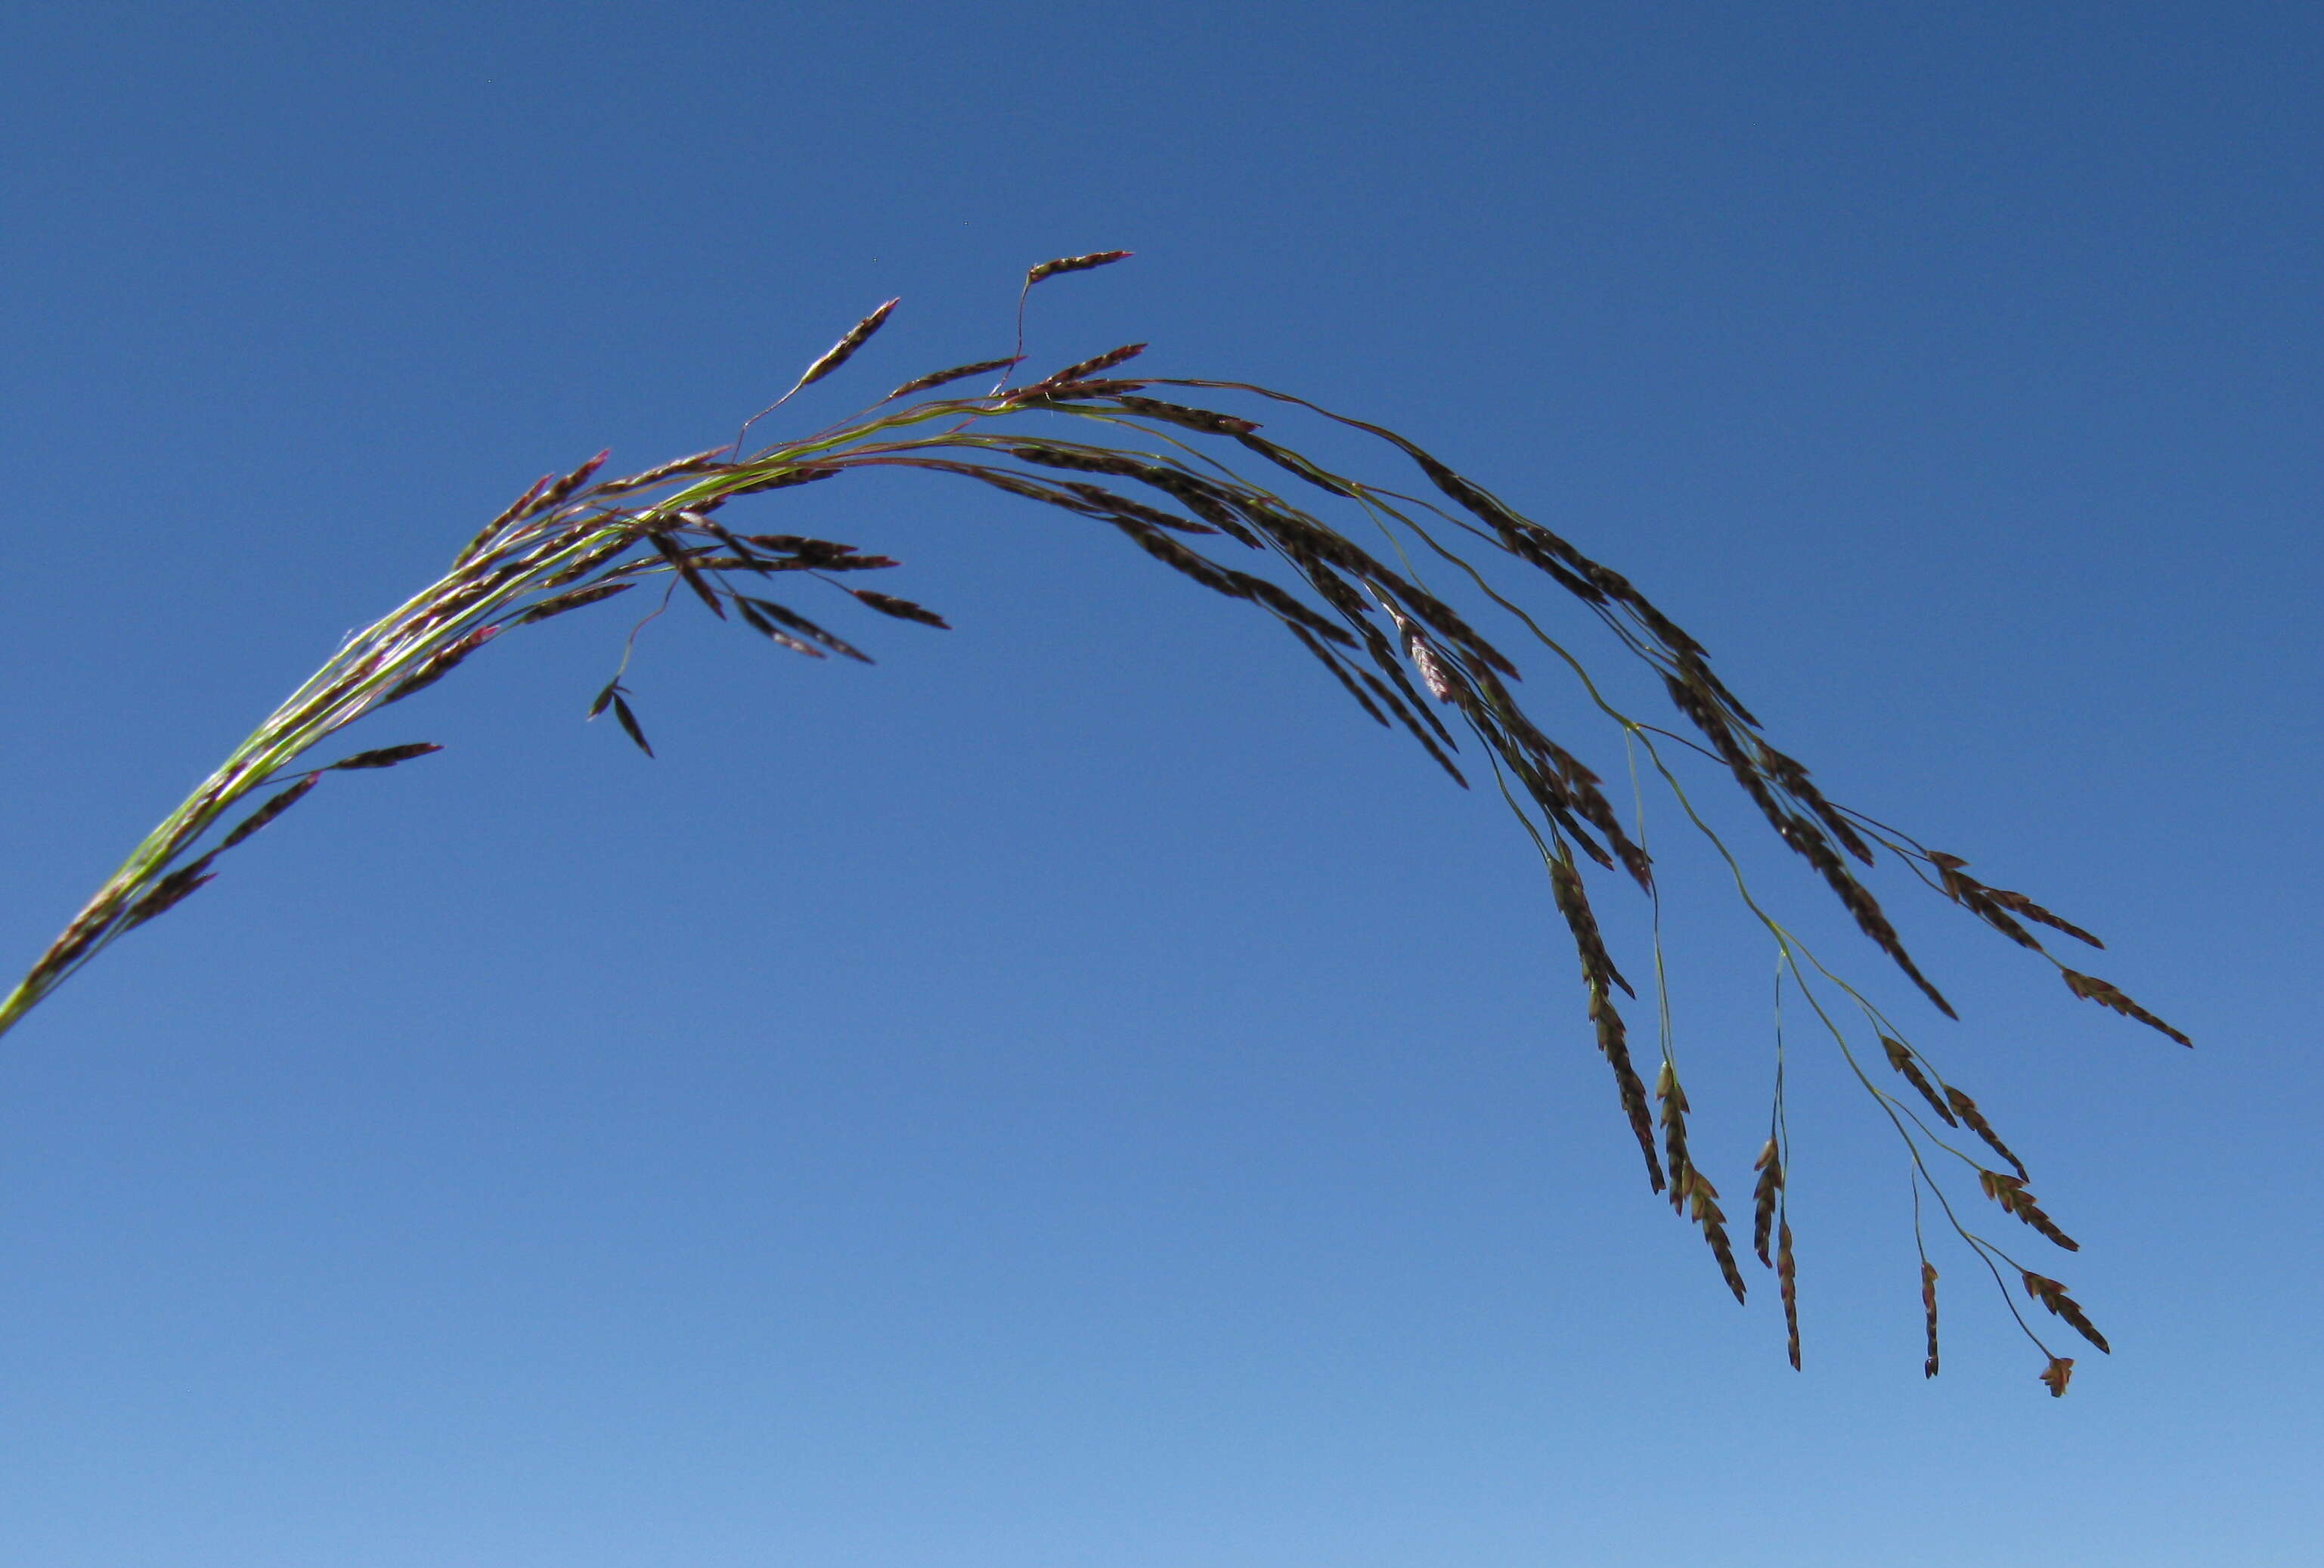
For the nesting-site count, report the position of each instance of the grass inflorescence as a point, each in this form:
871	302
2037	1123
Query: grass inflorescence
1157	470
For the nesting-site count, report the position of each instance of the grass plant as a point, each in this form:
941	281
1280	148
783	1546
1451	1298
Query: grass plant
1150	460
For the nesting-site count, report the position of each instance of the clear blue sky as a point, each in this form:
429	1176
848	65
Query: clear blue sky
1073	1094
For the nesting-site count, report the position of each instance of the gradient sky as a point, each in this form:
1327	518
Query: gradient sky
1075	1093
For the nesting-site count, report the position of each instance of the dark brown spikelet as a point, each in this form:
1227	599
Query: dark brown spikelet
1113	504
1084	369
766	628
1598	969
1613	1044
1900	1057
1285	458
841	352
384	756
587	562
793	621
1787	1280
1210	421
519	507
937	378
1990	903
2010	1192
1061	391
561	488
713	458
545	491
1692	1194
604	699
1793	776
272	809
2057	1374
1974	1120
439	664
822	554
170	891
902	609
2090	988
1079	460
1770	1166
684	567
572	600
1928	1314
2052	1294
1702	1204
629	722
1074	265
788	477
1672	1096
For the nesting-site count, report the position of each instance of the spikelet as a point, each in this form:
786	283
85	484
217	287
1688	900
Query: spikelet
783	479
766	628
2010	1192
522	506
1787	1278
2057	1374
170	891
2090	988
562	602
1599	973
841	352
1900	1057
1091	366
937	378
1990	903
1929	1313
697	463
384	756
1210	421
2052	1294
1763	1196
687	571
1975	1119
1074	265
272	809
439	664
794	621
1692	1194
902	609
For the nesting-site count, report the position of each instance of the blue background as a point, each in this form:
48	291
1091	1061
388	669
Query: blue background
1075	1093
